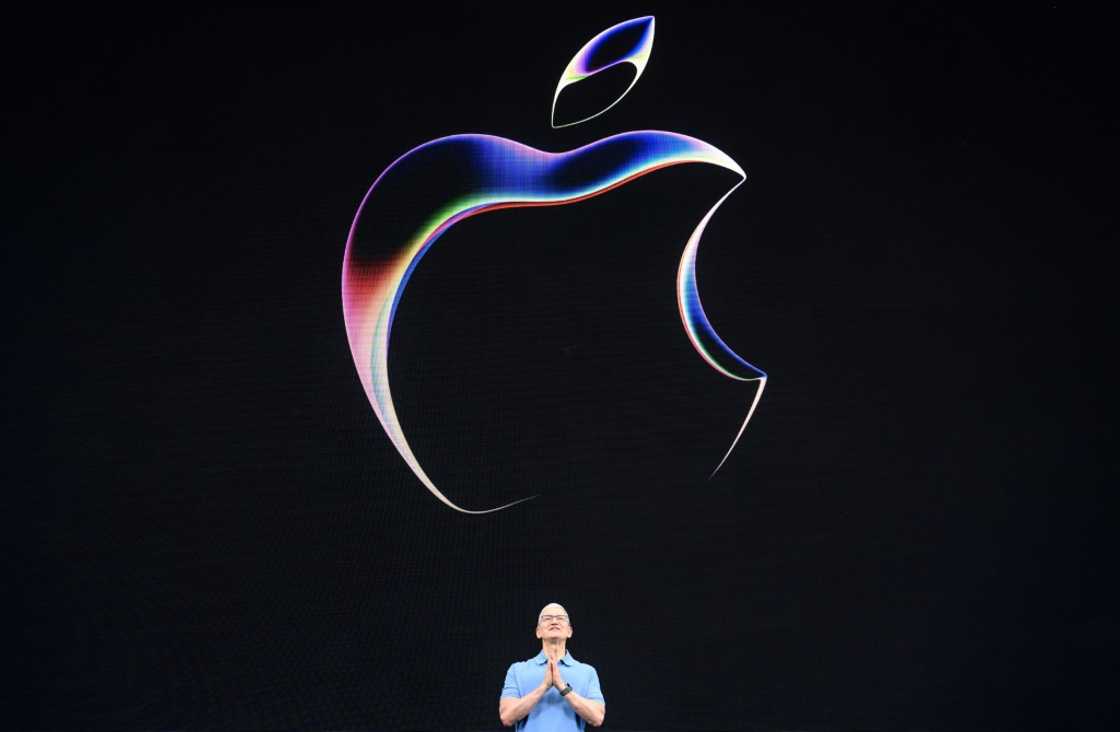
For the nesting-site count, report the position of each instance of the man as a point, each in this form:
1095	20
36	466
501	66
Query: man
552	692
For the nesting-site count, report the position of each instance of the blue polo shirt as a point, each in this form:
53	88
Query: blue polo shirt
552	713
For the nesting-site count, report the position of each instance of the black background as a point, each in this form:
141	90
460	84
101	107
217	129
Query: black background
210	529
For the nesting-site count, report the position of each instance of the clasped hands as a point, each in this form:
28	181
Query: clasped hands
552	677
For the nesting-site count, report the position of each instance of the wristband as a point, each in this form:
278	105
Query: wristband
566	691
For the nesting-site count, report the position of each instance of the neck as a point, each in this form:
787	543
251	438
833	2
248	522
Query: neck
554	648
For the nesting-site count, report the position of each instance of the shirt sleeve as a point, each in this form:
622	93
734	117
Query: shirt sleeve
510	687
594	693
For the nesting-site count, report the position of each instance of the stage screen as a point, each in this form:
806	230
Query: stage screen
770	343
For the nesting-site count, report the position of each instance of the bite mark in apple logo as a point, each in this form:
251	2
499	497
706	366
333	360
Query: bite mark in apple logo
479	173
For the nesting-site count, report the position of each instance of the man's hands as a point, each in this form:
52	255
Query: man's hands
557	679
552	677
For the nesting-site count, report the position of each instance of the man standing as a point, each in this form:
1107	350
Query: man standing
552	692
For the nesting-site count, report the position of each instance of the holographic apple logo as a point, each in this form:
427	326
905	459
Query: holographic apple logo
438	184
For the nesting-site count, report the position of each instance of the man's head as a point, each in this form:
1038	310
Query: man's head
553	623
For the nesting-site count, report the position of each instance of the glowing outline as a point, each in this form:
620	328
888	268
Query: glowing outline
369	311
371	296
577	69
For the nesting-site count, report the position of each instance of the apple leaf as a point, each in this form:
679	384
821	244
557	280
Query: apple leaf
629	42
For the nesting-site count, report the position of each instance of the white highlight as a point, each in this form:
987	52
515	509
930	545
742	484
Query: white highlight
750	412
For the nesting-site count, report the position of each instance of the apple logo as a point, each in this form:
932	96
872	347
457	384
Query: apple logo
444	181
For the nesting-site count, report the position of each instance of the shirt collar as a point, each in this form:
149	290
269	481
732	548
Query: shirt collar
540	659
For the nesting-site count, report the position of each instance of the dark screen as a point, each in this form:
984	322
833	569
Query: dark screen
212	530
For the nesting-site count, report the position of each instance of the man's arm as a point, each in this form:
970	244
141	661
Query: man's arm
512	709
593	712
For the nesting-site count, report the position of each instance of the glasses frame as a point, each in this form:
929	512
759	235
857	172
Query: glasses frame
564	619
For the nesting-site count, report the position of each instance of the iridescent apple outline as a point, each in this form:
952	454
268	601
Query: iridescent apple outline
481	173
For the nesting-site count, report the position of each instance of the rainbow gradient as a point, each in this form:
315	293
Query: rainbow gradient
472	174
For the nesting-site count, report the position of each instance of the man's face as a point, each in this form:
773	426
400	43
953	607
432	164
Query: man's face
553	623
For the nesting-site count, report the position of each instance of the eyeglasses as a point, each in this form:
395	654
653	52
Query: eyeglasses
550	618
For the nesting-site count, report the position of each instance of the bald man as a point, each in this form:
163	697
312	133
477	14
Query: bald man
552	692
